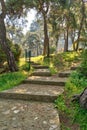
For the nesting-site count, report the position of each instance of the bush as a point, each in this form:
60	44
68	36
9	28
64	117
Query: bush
52	50
83	67
15	49
26	66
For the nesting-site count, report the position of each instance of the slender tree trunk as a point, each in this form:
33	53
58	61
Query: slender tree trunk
56	40
72	36
66	41
81	25
5	47
46	38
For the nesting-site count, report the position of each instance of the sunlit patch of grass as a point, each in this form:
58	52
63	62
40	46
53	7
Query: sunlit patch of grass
21	62
9	80
76	83
37	59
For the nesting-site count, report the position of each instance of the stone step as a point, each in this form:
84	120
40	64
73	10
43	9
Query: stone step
74	67
33	63
65	73
42	72
32	92
40	67
25	115
45	80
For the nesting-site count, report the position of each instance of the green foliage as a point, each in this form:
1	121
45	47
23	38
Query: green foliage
46	61
61	105
64	60
26	66
2	57
15	49
75	85
78	80
10	80
52	50
80	116
83	67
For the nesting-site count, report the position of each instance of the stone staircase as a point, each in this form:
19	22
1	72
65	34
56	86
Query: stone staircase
40	87
41	72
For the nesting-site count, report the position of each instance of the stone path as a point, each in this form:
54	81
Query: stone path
26	115
19	109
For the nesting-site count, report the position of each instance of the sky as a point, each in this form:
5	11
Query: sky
30	17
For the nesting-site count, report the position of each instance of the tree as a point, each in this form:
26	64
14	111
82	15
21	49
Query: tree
81	23
15	48
42	6
3	41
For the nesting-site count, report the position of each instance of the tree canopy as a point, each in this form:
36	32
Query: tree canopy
65	19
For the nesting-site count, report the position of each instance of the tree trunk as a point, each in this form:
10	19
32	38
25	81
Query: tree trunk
73	38
5	47
81	25
46	38
66	41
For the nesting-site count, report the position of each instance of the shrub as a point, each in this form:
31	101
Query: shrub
83	67
15	49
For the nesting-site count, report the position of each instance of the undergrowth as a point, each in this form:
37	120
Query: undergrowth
9	80
76	83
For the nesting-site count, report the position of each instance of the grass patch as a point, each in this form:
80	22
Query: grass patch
76	117
72	116
38	59
58	62
9	80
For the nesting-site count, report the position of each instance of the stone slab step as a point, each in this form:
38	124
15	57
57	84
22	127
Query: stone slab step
42	72
65	73
33	63
45	80
74	67
40	67
43	93
25	115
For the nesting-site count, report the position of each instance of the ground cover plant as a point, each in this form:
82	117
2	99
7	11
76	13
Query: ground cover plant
72	116
9	80
58	62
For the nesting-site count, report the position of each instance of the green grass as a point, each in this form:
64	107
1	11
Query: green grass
56	62
74	85
73	116
9	80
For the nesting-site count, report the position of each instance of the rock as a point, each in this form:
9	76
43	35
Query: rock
53	127
16	111
45	122
35	118
6	112
4	128
81	98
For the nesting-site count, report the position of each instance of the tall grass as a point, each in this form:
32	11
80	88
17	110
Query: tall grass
9	80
